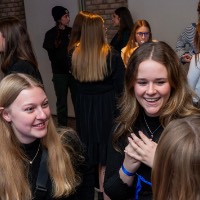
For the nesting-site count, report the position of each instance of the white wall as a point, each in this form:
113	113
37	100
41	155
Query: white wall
167	18
39	20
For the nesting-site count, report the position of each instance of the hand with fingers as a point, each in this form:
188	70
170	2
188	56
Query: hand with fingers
143	149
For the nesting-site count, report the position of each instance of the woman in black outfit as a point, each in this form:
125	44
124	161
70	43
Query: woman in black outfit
37	162
99	71
16	50
156	92
121	19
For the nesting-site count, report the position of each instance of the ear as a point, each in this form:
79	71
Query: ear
5	114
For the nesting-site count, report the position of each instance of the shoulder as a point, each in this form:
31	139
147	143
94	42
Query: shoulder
51	31
123	49
190	28
22	65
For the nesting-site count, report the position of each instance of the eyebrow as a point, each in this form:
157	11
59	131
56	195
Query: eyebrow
157	79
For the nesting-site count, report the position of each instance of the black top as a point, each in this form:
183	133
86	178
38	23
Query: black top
114	187
119	44
83	191
58	55
25	67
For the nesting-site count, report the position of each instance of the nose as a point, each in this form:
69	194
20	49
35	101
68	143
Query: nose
41	114
151	89
143	36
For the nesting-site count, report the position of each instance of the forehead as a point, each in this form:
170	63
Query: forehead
142	29
30	95
115	15
151	69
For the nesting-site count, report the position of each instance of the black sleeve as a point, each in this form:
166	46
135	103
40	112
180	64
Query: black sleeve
114	187
48	43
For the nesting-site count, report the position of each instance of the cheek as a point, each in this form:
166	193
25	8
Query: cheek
146	39
139	91
166	90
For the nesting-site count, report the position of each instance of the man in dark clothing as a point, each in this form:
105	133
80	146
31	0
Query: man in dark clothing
56	42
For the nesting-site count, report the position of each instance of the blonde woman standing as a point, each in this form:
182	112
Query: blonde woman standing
99	71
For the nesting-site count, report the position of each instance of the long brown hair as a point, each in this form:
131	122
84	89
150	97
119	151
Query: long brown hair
180	100
175	173
13	163
76	29
126	21
17	43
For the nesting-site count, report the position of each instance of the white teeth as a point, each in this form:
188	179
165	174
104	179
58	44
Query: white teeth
152	100
39	125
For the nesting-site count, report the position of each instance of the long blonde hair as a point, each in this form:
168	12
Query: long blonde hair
89	57
175	173
13	163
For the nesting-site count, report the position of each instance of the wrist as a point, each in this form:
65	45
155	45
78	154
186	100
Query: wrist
126	172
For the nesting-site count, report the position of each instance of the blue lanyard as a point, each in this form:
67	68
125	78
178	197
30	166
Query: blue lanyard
139	185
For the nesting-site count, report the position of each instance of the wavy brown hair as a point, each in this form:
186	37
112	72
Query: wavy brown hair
175	173
13	162
180	101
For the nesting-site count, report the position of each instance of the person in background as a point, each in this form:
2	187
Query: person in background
193	77
140	34
193	74
99	71
56	43
175	172
38	162
16	52
156	92
188	41
122	19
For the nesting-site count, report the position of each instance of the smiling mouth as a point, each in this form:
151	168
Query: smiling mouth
40	124
151	100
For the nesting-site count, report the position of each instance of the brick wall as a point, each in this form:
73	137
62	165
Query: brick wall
105	8
12	8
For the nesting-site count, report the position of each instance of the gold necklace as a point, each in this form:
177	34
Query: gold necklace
31	161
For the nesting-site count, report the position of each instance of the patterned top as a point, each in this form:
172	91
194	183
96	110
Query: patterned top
185	42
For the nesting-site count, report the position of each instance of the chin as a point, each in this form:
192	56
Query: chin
152	113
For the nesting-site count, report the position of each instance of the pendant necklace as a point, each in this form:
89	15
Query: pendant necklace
31	161
151	133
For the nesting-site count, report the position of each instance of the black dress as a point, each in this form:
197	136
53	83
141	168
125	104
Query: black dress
114	187
96	107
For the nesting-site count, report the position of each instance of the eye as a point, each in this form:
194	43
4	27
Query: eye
29	109
45	104
142	82
161	82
